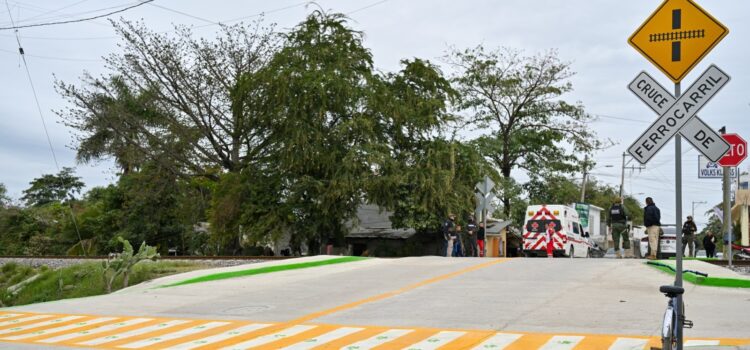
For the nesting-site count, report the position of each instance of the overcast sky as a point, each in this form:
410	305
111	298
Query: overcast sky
590	34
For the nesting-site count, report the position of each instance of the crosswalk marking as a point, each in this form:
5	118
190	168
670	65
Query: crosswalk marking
498	341
701	342
133	333
24	319
60	329
323	339
39	324
114	332
436	340
379	339
562	343
98	330
628	344
175	335
220	337
294	330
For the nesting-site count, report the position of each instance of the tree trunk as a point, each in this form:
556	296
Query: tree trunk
505	170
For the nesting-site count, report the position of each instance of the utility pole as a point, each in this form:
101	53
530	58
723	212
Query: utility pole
727	227
585	177
622	176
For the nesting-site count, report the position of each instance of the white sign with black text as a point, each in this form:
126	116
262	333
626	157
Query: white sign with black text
678	115
712	170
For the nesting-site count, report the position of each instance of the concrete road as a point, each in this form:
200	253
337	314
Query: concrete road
573	298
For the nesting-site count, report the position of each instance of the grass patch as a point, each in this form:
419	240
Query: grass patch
75	281
262	270
706	281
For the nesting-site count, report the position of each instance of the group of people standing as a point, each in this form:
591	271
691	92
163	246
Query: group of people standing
618	218
458	242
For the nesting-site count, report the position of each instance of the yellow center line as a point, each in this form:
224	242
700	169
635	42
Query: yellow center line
306	318
386	295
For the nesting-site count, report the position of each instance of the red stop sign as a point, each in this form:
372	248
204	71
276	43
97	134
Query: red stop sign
737	152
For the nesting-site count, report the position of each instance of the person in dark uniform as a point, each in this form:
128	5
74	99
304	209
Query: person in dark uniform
618	223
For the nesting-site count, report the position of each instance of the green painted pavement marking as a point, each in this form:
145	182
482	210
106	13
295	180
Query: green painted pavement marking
263	270
705	281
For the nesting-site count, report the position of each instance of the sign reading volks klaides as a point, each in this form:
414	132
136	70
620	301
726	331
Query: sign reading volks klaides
712	170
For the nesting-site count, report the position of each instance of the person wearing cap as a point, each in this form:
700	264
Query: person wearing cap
688	236
618	223
449	233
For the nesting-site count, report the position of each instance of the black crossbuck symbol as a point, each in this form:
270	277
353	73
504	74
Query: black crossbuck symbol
677	35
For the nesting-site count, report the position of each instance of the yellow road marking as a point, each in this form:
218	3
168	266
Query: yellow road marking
386	295
284	342
467	341
149	335
351	338
72	322
84	338
408	339
201	335
249	336
529	341
595	342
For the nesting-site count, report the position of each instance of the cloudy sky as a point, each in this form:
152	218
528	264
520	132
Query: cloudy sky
590	34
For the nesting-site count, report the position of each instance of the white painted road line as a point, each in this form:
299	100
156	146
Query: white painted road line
436	341
562	342
270	338
628	344
61	329
325	338
9	315
377	340
220	337
498	341
175	335
102	329
701	342
39	324
25	319
133	333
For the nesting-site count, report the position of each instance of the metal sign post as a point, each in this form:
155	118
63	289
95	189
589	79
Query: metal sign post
484	198
675	38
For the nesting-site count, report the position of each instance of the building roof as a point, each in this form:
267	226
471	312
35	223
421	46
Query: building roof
373	222
494	227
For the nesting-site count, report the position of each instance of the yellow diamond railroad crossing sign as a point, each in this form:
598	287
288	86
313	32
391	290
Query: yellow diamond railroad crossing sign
677	36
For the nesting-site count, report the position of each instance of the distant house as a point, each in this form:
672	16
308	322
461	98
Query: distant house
372	234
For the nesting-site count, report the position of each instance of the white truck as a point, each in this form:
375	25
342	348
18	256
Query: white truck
568	237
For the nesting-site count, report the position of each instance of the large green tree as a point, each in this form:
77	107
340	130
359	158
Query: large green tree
518	102
193	100
53	188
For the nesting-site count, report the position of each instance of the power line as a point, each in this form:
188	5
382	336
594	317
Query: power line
54	58
184	14
44	125
367	7
14	27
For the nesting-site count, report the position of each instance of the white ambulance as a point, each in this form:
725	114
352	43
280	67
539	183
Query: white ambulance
568	237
